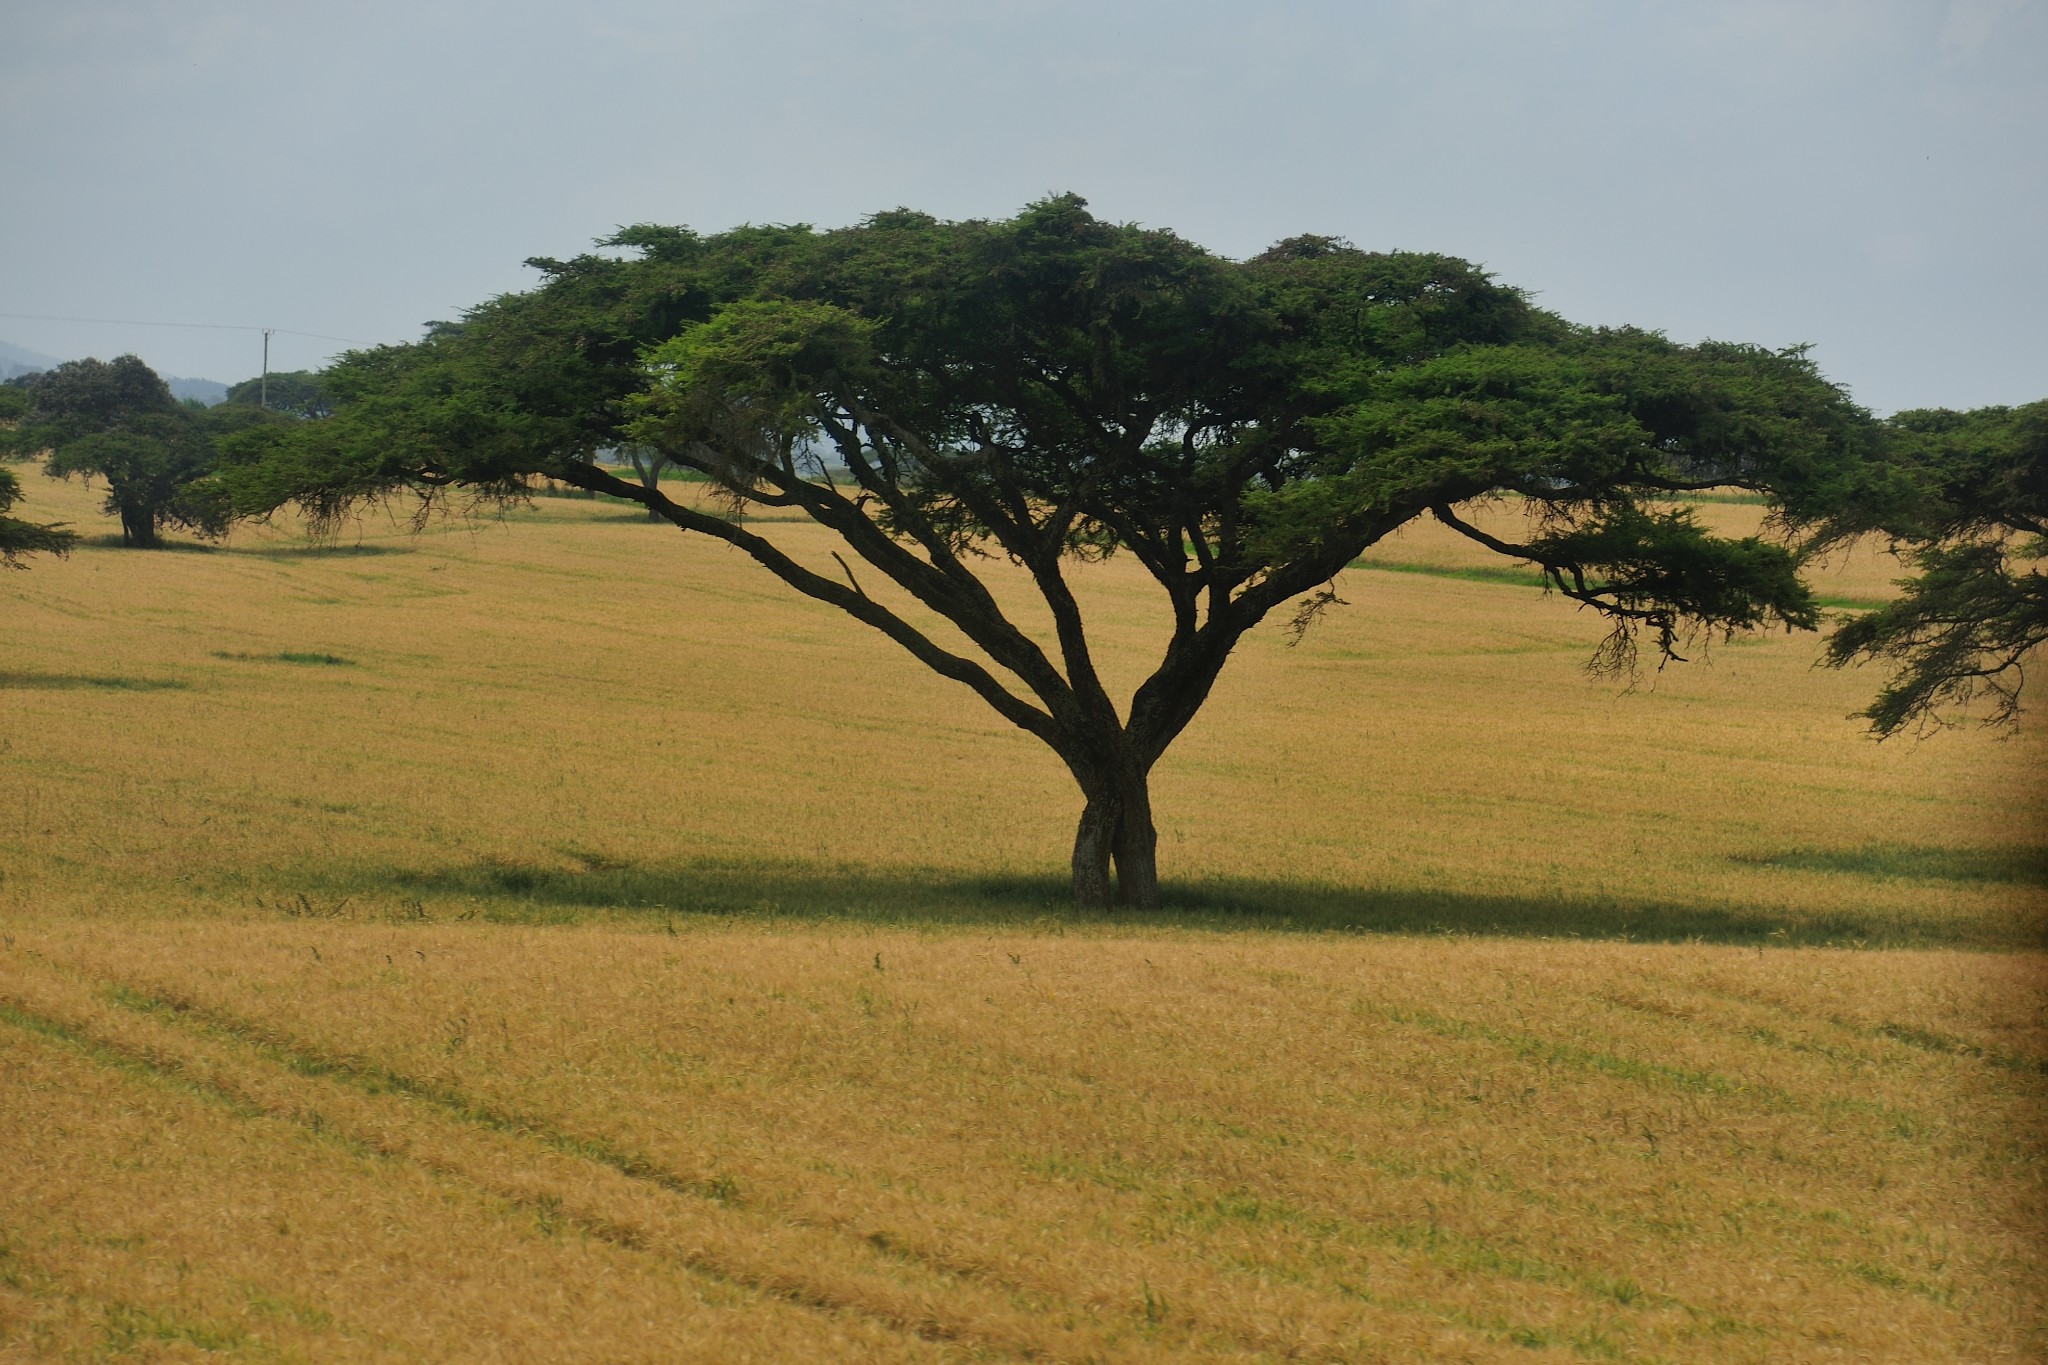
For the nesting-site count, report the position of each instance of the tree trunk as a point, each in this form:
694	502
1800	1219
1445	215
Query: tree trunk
648	468
1094	846
138	528
1136	847
1116	830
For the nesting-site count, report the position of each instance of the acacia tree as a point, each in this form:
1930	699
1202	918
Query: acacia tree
117	420
1964	496
1053	388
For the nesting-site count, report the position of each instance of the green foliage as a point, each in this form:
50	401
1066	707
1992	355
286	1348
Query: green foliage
84	396
1052	386
1965	495
295	393
117	421
18	538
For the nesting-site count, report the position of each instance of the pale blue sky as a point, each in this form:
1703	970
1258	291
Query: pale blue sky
1870	177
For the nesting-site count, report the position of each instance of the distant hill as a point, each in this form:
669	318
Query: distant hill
19	360
207	391
16	361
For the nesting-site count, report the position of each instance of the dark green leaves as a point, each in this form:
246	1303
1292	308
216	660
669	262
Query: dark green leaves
1659	570
296	393
753	379
18	538
1965	495
116	420
1054	384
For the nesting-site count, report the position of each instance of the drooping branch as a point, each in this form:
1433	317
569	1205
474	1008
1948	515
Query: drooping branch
1964	631
1617	653
1661	572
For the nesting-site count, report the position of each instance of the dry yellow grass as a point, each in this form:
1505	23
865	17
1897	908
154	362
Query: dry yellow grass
1016	1144
365	1009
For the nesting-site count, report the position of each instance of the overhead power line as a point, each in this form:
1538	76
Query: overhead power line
203	326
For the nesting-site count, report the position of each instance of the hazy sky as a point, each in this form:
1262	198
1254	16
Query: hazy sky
1871	177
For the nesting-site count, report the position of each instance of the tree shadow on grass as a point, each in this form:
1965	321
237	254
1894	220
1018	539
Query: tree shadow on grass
2005	864
764	891
170	544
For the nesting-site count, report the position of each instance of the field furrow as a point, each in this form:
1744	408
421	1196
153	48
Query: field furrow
622	1201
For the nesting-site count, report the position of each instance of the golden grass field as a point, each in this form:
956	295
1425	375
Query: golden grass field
554	940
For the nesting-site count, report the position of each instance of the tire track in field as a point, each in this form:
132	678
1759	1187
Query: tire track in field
1198	1332
210	1089
808	1267
988	1319
31	1277
296	1057
957	1279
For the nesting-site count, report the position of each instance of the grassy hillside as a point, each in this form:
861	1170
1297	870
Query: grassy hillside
551	939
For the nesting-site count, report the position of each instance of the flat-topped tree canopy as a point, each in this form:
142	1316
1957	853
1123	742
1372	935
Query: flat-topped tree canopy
1055	387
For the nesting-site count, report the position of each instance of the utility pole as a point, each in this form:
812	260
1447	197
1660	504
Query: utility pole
263	385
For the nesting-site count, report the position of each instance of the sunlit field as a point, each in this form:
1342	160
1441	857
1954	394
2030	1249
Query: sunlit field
552	939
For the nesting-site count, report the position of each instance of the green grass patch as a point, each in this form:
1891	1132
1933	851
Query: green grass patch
324	549
1522	576
1514	575
133	1329
286	657
61	682
1737	498
1933	1040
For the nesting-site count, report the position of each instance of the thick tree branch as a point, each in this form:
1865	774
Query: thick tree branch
941	582
849	600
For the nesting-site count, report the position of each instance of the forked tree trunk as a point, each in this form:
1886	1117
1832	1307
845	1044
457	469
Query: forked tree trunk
648	468
1116	832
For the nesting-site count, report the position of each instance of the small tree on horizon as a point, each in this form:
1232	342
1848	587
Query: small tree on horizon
295	393
116	420
1055	388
